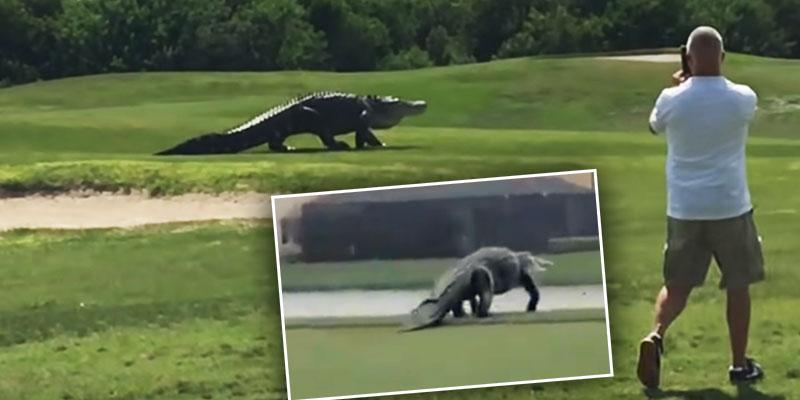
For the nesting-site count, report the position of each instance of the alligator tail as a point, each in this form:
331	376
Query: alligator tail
214	143
430	312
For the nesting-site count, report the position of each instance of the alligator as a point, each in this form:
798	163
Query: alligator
477	278
325	114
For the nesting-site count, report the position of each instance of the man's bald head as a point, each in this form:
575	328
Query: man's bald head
706	51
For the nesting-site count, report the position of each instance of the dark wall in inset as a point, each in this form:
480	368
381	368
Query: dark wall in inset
439	228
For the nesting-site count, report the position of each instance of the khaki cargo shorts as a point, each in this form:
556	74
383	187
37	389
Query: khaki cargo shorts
733	242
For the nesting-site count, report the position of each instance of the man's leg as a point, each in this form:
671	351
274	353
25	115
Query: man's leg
739	323
670	302
737	249
686	262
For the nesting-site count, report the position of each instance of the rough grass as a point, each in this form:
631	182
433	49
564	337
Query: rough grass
177	311
571	269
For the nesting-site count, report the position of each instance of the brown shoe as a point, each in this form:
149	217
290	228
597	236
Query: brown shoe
649	367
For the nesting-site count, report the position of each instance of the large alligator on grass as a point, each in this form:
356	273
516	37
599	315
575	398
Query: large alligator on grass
477	278
325	114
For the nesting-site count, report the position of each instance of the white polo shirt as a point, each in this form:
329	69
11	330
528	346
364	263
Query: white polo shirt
706	122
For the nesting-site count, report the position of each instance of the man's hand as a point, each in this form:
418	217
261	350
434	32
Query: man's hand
679	77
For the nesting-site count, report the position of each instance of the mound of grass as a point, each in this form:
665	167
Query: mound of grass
98	132
138	114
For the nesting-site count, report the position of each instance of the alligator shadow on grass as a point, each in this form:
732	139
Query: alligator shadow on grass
311	150
743	392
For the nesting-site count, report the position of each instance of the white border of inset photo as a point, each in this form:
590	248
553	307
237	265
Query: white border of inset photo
444	183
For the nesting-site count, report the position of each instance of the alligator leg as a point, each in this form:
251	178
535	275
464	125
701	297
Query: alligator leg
533	291
473	305
278	146
458	310
318	127
276	141
482	284
331	143
366	136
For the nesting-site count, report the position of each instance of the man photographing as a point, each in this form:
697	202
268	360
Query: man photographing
709	214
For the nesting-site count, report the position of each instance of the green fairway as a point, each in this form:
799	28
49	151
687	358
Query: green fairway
191	311
381	359
581	268
98	132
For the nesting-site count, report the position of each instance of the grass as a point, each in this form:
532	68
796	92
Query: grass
192	308
98	132
581	268
553	316
378	359
176	311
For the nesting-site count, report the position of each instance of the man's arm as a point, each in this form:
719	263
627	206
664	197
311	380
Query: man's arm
658	115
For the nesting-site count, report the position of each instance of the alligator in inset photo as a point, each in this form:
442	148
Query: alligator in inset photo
325	114
477	278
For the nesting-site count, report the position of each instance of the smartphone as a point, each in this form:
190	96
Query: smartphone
684	62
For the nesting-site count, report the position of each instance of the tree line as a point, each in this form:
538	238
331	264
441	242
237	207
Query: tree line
45	39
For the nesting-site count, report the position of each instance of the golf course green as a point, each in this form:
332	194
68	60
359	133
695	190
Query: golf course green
187	311
379	359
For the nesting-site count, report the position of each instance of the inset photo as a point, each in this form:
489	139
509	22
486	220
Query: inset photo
442	286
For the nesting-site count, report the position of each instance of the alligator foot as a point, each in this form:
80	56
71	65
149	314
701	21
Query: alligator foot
339	146
374	146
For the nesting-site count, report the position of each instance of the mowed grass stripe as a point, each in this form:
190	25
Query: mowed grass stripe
414	155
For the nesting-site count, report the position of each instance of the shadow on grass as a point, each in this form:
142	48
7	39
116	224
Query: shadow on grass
311	150
743	392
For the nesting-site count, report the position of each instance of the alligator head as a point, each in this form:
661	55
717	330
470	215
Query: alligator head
386	112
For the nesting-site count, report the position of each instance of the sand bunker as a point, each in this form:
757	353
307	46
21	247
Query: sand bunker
113	210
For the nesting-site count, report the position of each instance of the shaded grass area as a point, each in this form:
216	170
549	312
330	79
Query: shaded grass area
379	359
581	268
